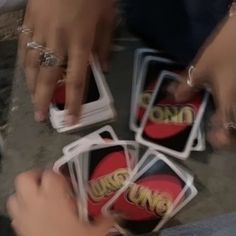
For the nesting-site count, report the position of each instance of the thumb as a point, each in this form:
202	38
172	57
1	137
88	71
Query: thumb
104	224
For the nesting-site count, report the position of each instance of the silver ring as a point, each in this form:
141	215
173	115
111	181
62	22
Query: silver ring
49	59
25	30
190	78
36	46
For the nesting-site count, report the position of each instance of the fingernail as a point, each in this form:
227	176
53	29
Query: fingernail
39	116
71	119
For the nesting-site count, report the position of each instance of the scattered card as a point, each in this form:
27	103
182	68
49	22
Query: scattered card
168	126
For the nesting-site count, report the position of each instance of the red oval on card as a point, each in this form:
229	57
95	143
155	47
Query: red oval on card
111	164
171	118
165	184
59	96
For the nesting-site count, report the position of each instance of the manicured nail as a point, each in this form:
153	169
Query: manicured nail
39	116
71	119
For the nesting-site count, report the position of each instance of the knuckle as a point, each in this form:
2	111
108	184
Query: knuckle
49	176
21	179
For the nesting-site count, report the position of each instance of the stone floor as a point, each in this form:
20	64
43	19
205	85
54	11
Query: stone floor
7	64
31	145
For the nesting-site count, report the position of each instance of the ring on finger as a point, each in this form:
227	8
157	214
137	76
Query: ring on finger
24	30
50	59
36	46
190	76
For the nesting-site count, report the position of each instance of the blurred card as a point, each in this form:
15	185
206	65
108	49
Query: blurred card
106	133
168	126
98	99
153	191
108	167
150	71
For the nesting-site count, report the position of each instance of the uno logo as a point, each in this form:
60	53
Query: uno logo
155	202
148	198
179	115
107	177
104	186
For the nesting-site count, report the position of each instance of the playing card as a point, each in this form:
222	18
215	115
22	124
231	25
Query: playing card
100	135
108	167
168	126
199	144
98	100
68	170
151	69
139	56
100	117
156	187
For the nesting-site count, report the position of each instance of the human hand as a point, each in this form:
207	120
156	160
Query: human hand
44	205
70	29
216	69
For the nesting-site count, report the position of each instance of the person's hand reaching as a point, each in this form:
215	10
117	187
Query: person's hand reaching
216	69
68	31
44	205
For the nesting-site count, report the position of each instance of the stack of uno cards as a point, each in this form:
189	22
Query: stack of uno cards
159	121
109	177
97	105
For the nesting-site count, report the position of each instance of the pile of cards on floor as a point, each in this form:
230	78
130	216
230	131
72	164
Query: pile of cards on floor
112	177
97	105
160	122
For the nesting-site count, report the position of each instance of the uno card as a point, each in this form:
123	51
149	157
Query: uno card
150	71
168	126
98	117
199	144
106	133
139	56
98	97
108	168
68	170
153	191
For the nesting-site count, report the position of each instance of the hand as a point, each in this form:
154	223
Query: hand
71	29
216	68
43	205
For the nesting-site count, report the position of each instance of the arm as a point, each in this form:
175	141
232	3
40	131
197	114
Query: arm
215	66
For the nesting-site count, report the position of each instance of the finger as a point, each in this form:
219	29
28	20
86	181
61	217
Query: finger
13	207
104	39
52	181
184	91
75	84
219	138
28	183
32	65
104	224
47	79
